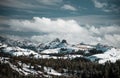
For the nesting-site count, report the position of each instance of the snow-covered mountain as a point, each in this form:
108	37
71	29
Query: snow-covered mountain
17	51
54	44
111	55
26	44
102	47
99	52
42	60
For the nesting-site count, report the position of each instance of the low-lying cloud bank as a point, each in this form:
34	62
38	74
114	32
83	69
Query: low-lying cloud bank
67	29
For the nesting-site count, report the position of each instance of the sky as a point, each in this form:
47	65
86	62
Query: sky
88	21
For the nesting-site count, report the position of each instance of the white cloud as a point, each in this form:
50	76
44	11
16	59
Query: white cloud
107	6
50	2
45	25
68	7
69	30
95	19
99	4
31	4
112	39
16	4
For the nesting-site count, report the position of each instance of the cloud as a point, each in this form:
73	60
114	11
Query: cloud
68	7
16	4
99	4
50	2
112	39
25	4
96	19
45	25
67	29
107	6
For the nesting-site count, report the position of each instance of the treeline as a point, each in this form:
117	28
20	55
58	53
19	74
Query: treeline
75	68
7	72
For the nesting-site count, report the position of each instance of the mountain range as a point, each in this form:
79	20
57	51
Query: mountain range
26	51
57	46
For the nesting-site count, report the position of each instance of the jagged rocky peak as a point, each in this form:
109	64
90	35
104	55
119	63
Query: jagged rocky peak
64	41
82	43
57	40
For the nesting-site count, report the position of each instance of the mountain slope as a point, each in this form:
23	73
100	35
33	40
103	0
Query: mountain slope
110	55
